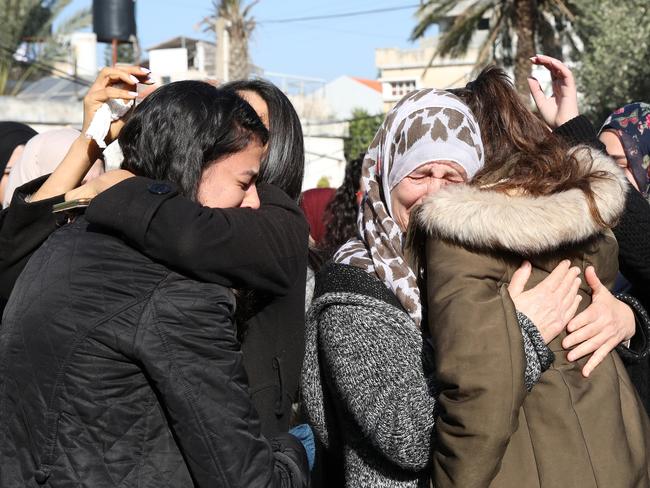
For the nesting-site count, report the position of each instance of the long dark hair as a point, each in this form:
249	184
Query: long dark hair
182	127
343	210
284	164
521	153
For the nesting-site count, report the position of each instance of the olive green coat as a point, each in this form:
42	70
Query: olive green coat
569	431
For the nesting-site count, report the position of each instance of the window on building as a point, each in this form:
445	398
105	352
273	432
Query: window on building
484	24
401	88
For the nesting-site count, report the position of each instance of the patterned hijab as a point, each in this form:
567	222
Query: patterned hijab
631	124
425	126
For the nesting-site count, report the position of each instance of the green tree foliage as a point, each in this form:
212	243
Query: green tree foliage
28	40
614	68
363	128
517	30
323	182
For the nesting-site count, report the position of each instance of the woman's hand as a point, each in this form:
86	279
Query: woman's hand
562	106
83	152
96	186
601	327
107	86
552	303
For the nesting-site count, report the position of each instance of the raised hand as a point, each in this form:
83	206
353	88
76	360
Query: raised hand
109	84
562	105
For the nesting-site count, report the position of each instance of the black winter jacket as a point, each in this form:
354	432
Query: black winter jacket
116	371
264	250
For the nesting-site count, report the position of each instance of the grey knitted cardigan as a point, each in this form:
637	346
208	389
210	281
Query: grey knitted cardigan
366	380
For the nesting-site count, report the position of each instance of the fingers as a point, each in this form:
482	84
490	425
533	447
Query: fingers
598	356
587	347
571	311
593	281
590	314
556	277
569	282
519	279
536	91
557	68
108	75
112	92
583	334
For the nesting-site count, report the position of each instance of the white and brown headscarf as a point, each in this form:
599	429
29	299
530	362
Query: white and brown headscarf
425	126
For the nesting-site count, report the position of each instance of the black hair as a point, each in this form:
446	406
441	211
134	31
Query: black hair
182	127
284	163
343	209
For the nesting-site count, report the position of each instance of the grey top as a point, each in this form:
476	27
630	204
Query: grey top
367	381
383	411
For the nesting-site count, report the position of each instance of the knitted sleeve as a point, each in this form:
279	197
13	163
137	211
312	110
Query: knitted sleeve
373	360
639	347
538	355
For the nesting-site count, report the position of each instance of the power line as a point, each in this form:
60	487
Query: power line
336	16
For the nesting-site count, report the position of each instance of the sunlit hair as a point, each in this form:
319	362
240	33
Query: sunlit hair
521	152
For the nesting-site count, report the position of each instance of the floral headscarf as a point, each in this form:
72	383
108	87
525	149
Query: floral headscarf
632	125
425	126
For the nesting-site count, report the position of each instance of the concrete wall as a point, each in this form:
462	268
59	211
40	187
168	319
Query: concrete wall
42	114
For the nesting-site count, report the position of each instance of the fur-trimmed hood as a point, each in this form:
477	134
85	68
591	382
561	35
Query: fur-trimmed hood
523	224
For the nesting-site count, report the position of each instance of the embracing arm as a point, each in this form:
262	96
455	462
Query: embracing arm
374	364
187	344
265	249
479	362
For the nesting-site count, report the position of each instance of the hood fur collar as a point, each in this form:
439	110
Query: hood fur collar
524	224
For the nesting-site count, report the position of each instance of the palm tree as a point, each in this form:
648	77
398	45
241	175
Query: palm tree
28	41
528	24
239	24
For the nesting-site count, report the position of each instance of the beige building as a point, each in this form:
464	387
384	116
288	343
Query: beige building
404	70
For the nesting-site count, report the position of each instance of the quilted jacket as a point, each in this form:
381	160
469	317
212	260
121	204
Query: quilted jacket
116	371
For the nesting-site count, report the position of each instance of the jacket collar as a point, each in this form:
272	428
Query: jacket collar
523	224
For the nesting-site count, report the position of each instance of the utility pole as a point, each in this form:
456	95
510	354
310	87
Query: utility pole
222	52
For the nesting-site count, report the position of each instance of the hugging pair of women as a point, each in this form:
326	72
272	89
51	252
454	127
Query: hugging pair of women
467	336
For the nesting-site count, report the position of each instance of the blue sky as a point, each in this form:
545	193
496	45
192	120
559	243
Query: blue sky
319	48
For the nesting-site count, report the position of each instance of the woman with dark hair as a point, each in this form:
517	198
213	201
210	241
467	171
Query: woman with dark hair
540	200
626	138
284	164
115	367
265	250
343	209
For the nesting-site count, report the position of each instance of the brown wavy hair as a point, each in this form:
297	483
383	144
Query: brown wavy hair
521	152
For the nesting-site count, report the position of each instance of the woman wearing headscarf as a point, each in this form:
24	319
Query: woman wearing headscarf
367	382
41	155
536	199
13	137
626	137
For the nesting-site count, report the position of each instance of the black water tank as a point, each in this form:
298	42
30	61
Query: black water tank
114	19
